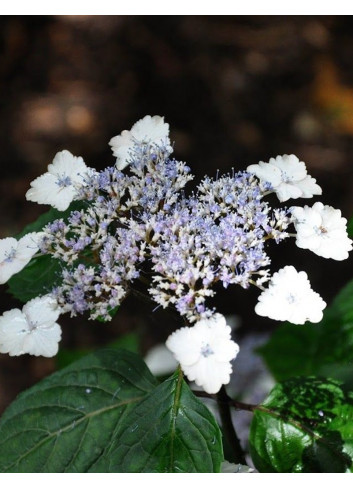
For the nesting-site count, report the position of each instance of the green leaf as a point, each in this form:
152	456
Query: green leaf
350	227
305	425
43	272
169	431
37	278
51	216
66	422
129	341
104	413
315	349
67	356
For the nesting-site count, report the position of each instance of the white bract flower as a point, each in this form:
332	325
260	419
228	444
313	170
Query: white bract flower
57	187
33	330
15	255
323	230
289	297
146	130
287	176
205	351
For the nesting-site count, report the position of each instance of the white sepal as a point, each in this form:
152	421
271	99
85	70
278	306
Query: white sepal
287	176
58	186
146	130
33	330
205	351
322	230
289	297
15	255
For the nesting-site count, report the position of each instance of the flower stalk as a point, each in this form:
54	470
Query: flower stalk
224	404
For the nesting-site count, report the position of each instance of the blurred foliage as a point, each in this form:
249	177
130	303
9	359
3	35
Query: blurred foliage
66	356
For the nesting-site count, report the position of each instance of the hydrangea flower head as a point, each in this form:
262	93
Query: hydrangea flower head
33	330
15	255
205	351
287	176
143	232
323	230
289	297
57	187
147	130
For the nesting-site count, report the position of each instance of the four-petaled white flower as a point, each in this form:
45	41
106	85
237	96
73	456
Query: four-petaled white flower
288	177
205	351
323	230
289	297
15	255
57	187
33	330
146	130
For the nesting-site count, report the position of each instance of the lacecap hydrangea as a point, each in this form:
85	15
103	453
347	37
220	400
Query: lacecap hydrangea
136	227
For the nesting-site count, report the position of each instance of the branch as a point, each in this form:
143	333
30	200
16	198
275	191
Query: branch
224	402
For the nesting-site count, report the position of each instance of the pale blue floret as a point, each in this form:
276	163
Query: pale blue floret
144	220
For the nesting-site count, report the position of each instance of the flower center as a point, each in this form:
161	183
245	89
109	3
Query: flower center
320	230
32	325
63	181
206	351
291	299
10	255
285	177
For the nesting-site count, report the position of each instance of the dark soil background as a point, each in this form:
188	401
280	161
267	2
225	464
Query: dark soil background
235	90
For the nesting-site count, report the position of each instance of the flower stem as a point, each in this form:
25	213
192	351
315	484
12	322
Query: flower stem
224	403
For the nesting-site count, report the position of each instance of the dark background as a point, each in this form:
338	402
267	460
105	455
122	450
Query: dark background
234	89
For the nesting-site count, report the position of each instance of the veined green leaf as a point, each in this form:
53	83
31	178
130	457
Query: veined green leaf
104	413
66	422
305	425
169	431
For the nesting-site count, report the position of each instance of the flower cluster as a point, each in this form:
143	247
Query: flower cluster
218	235
139	229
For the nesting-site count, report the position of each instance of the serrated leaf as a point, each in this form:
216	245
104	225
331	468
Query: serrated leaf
314	349
305	425
66	421
104	413
169	431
